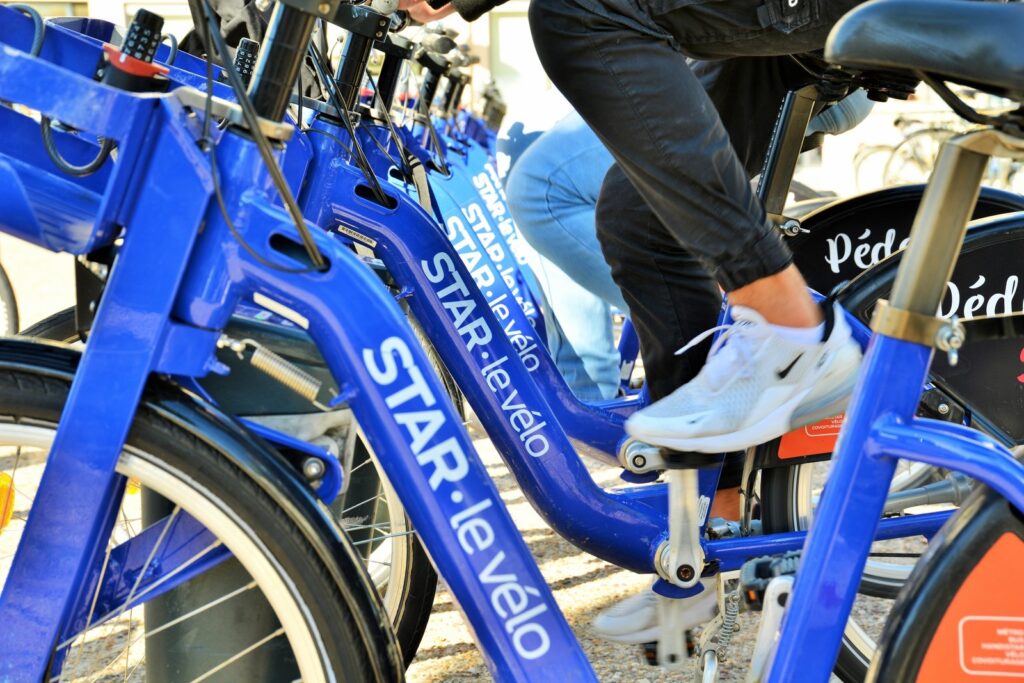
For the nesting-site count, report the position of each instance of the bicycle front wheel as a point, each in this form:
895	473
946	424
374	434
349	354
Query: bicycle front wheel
271	609
369	511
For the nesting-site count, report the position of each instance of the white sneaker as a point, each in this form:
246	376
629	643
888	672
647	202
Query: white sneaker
635	619
754	387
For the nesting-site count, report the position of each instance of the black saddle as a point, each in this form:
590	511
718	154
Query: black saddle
980	44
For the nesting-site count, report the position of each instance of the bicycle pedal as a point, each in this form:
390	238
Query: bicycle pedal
650	650
757	573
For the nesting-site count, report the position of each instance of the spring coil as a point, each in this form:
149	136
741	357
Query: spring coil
729	619
268	362
716	638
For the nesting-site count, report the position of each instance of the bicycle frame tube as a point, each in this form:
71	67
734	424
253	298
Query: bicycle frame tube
79	492
880	426
476	240
598	425
624	529
455	316
478	224
494	251
404	414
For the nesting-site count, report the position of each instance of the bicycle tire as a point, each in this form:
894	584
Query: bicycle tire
408	601
893	176
344	629
8	305
966	575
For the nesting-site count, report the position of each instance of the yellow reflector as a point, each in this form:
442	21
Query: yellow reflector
6	499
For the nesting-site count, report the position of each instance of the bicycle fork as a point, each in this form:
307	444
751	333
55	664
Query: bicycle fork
61	550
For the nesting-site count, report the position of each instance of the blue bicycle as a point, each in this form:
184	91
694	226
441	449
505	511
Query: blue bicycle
234	242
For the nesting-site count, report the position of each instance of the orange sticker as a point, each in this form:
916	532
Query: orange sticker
981	635
992	645
814	439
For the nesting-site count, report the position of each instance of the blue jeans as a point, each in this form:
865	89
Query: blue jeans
552	192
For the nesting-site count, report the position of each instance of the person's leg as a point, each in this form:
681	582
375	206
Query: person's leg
579	333
553	191
643	100
552	194
671	296
641	97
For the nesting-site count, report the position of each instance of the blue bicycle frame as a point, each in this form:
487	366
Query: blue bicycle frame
173	287
165	297
625	527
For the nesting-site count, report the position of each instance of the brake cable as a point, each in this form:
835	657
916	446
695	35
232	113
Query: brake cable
346	119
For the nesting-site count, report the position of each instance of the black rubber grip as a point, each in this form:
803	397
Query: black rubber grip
278	64
245	58
438	4
143	37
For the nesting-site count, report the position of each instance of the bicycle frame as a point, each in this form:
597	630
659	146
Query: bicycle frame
626	527
158	315
487	241
472	539
881	427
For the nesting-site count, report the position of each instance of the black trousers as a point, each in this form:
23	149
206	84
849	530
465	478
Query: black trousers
684	94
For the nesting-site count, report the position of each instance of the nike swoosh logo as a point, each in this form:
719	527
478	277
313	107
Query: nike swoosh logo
781	374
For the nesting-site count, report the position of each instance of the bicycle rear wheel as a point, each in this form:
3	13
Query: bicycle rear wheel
287	611
960	617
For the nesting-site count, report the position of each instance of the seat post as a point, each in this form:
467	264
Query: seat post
787	141
940	225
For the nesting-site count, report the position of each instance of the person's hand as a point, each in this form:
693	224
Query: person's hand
419	11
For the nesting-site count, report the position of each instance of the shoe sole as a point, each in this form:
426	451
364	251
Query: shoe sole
783	419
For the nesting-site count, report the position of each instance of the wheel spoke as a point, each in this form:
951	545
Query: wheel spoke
234	658
385	537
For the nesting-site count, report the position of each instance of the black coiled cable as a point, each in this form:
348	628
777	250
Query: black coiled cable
106	147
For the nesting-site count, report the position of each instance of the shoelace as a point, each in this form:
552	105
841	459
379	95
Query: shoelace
739	331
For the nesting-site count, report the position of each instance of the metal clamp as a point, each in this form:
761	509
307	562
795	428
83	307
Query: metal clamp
231	112
361	20
927	330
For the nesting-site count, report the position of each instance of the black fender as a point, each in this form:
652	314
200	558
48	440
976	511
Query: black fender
846	237
988	380
982	542
269	470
